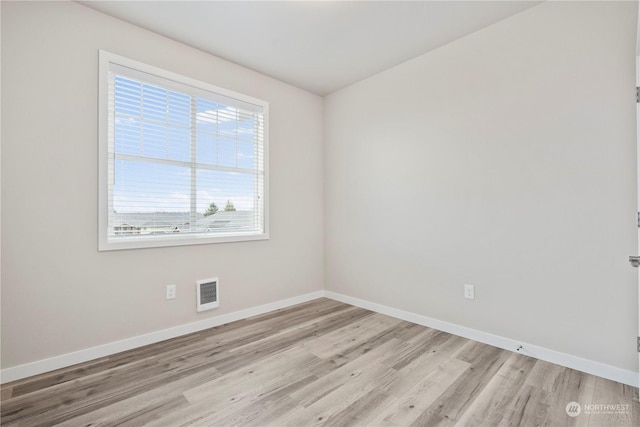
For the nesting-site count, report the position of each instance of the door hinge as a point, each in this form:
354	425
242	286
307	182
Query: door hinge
638	344
638	219
637	94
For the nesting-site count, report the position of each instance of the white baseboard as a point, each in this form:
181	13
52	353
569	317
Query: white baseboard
69	359
574	362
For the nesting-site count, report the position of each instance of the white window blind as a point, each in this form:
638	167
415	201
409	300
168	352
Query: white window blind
182	162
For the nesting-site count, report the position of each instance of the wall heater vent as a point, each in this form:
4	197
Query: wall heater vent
207	293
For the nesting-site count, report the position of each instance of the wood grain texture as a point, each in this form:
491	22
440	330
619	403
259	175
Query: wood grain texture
322	363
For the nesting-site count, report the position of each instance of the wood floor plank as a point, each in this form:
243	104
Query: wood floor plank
448	408
424	365
420	397
499	393
405	331
533	401
321	363
610	405
309	325
139	410
323	409
569	386
632	394
357	350
6	393
259	408
335	379
70	399
350	335
363	411
103	408
426	343
270	405
238	357
253	376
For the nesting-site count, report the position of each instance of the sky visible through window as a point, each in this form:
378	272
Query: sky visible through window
162	136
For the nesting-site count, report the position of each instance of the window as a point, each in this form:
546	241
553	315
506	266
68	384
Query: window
181	161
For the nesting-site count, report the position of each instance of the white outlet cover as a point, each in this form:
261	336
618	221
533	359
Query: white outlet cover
469	292
171	292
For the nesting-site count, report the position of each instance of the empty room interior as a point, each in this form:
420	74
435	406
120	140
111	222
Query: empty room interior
331	213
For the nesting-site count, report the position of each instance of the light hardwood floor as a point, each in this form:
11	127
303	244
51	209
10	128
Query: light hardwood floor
318	363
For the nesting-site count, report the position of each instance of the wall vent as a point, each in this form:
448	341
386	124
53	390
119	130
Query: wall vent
207	293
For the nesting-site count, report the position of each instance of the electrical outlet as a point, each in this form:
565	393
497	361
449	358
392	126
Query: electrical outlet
469	292
171	292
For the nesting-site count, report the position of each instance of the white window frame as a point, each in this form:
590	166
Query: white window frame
105	243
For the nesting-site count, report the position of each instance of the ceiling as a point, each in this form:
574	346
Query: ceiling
319	46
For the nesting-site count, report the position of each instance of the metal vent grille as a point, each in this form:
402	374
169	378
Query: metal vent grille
207	293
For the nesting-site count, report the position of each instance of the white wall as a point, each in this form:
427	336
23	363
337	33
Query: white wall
506	160
59	294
